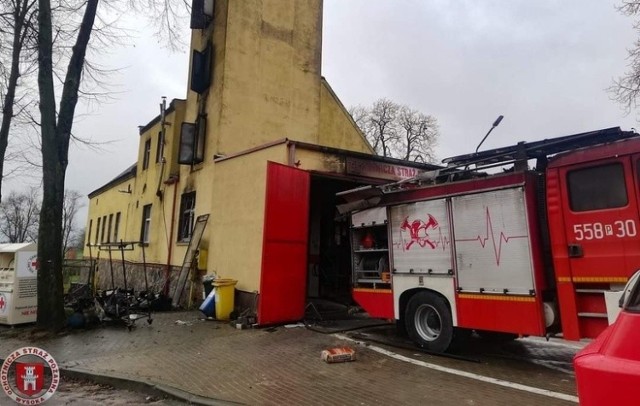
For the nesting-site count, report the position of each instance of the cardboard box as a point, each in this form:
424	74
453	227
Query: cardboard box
341	354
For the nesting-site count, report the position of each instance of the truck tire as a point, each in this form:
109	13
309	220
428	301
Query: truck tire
428	320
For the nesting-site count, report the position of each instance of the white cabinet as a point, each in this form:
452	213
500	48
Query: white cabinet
18	283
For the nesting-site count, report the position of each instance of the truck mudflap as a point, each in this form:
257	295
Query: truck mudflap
377	302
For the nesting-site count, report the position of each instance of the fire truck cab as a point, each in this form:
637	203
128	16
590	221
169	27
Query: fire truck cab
512	252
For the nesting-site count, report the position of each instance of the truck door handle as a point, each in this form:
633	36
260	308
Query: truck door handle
575	251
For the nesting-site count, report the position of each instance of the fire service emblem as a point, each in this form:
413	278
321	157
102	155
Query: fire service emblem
29	376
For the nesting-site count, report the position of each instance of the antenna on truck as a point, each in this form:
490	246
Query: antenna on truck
495	124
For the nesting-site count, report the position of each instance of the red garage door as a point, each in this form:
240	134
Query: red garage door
284	251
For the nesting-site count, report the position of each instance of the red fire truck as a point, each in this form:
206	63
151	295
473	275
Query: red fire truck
489	244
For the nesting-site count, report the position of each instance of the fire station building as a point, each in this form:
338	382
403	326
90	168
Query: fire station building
261	145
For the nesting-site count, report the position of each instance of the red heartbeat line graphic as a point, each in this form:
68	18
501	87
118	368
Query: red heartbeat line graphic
442	241
497	248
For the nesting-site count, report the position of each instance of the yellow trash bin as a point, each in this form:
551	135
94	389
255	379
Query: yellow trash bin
225	292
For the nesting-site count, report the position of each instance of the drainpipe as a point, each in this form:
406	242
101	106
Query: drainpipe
173	180
291	154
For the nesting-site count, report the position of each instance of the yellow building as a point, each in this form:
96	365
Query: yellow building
261	145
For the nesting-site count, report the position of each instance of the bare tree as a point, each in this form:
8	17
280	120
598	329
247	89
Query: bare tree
382	126
72	203
360	116
398	131
18	65
167	15
16	19
626	88
55	127
79	238
56	124
418	135
19	216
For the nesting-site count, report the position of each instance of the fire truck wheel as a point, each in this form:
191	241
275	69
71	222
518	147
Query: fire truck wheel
428	320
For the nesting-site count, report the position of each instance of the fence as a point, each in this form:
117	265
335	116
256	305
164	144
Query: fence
77	274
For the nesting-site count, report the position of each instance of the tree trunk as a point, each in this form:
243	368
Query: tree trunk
55	153
51	314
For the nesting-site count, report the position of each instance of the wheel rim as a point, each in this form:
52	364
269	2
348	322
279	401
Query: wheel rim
428	322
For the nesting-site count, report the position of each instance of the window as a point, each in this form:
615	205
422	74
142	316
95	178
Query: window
192	139
104	226
160	149
146	223
116	226
187	143
201	69
187	216
147	154
597	188
109	228
201	13
201	130
97	232
89	232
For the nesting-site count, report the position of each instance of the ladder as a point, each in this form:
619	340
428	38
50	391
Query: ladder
189	259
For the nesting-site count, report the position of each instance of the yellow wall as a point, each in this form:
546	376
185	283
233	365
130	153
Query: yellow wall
211	101
265	86
144	189
271	73
238	216
198	179
172	138
110	202
337	128
317	161
150	187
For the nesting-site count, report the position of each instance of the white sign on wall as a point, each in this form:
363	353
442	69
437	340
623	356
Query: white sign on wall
380	170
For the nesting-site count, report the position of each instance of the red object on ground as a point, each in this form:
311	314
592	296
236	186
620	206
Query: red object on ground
608	369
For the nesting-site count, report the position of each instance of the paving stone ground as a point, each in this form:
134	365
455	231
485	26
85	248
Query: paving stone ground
283	366
84	393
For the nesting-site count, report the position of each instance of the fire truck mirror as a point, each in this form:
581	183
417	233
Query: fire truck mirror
626	294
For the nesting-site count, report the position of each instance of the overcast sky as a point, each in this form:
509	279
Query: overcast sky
542	64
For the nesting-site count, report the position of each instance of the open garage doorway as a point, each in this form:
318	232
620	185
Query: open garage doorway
329	256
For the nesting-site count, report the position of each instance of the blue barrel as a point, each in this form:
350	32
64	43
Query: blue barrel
208	307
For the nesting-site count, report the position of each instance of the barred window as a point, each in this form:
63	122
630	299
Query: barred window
160	148
146	154
116	227
187	216
146	223
97	239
